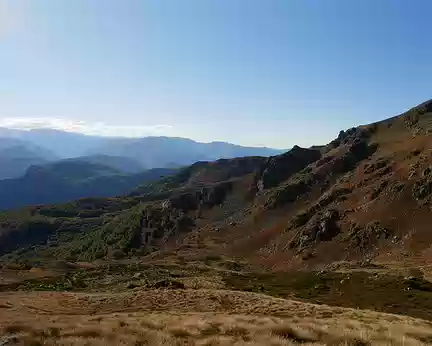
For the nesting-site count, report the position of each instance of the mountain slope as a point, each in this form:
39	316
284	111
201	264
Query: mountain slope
68	180
303	203
167	151
67	144
119	163
16	156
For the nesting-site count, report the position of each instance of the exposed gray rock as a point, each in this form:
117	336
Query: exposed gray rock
364	238
321	227
282	167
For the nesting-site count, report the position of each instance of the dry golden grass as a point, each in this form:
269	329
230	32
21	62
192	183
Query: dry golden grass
195	317
203	282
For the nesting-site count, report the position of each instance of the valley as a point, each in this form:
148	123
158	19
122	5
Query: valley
323	245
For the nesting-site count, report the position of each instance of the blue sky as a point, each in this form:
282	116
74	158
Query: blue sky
273	73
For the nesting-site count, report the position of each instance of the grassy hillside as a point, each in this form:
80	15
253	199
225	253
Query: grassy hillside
196	317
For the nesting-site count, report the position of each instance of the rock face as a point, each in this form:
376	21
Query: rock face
222	170
172	216
281	167
214	195
363	238
208	197
372	167
356	151
422	188
321	227
289	193
350	136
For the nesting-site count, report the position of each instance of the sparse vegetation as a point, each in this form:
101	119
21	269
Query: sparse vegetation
250	318
215	253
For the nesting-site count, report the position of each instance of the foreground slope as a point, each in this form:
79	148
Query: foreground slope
195	317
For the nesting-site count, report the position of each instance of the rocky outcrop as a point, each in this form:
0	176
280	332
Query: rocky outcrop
321	227
333	195
280	168
375	166
378	190
344	154
214	195
222	170
183	201
349	136
422	189
364	238
173	215
288	193
206	197
356	151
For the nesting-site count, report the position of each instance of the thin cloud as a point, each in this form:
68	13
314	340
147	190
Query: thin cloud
79	126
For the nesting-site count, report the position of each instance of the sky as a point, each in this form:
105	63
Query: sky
258	73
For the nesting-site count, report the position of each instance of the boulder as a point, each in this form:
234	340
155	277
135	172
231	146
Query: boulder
326	229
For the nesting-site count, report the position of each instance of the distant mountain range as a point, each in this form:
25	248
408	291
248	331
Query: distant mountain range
132	154
49	166
71	179
118	163
17	155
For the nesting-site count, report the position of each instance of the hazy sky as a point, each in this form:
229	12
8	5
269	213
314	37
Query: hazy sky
272	73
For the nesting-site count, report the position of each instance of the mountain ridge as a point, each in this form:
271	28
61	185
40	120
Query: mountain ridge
145	153
70	179
310	185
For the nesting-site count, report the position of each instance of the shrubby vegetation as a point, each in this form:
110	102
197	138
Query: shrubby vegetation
86	229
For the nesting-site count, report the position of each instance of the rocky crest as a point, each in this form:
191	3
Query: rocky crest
282	167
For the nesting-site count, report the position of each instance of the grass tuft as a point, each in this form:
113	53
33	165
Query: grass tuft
288	332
